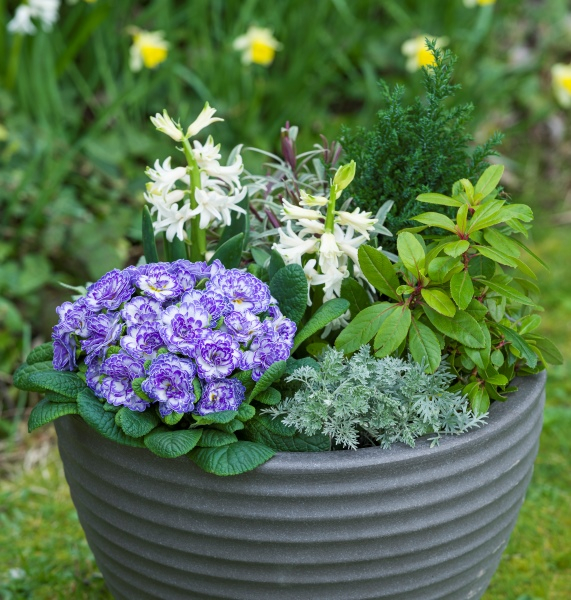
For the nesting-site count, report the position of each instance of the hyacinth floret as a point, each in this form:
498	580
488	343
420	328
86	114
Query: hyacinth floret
176	327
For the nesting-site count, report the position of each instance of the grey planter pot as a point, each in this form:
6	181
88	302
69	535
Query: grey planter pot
403	523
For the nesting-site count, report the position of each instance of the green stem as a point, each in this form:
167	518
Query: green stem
197	235
330	218
14	60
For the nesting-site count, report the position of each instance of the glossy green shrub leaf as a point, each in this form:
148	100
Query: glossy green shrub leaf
423	345
434	219
379	271
135	423
509	292
411	253
232	459
230	253
440	199
520	345
42	353
363	327
46	411
92	412
549	351
456	249
462	327
486	215
480	266
332	309
489	180
502	242
478	396
476	309
439	301
441	269
170	444
496	255
392	331
273	373
462	289
289	287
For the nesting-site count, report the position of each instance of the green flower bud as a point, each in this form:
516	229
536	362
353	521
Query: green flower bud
344	176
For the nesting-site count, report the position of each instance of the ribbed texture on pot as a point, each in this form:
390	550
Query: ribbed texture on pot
405	523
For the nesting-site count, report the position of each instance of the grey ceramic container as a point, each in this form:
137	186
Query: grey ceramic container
407	523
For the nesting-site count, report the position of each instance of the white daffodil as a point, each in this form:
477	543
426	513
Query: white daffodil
203	120
164	177
329	252
258	46
561	81
360	221
149	49
46	11
417	52
292	246
309	200
165	124
290	211
173	220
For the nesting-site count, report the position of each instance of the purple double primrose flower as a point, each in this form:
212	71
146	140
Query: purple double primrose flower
244	290
73	317
278	326
182	327
104	330
264	352
141	310
217	356
220	394
110	291
169	382
184	273
65	345
242	325
159	283
119	370
216	304
143	341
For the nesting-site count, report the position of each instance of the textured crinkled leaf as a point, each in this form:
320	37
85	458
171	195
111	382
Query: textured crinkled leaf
46	411
332	309
258	431
172	418
230	252
230	427
520	345
289	287
273	373
135	423
461	327
65	383
20	378
379	271
462	289
93	413
362	328
354	292
213	438
423	345
170	444
294	363
232	459
223	416
136	385
393	331
439	301
274	425
42	353
270	397
245	412
55	397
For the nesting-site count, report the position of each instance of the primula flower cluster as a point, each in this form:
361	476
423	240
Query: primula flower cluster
175	198
180	329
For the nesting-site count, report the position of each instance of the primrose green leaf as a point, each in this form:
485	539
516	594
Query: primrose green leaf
489	180
93	413
172	418
244	377
462	289
232	459
456	248
411	252
271	397
135	423
42	353
223	416
434	219
22	373
65	383
273	373
231	427
55	397
148	234
423	345
378	270
393	330
363	327
136	385
461	327
245	412
276	435
46	411
170	444
439	301
520	345
332	309
440	199
354	292
276	263
230	253
509	292
213	438
289	287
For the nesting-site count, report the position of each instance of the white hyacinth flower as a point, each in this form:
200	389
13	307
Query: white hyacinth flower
290	211
215	206
172	221
309	200
348	244
46	11
164	177
310	274
360	221
339	323
165	124
203	120
312	227
331	280
206	154
329	252
162	203
292	246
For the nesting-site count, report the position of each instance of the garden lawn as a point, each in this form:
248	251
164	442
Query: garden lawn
45	556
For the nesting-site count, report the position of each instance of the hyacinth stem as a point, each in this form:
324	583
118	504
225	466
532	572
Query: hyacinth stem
197	235
330	218
14	60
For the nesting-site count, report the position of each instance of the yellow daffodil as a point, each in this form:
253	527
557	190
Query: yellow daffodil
149	49
417	52
561	79
472	3
258	45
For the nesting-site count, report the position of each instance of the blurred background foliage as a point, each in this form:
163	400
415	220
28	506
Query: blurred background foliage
75	137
